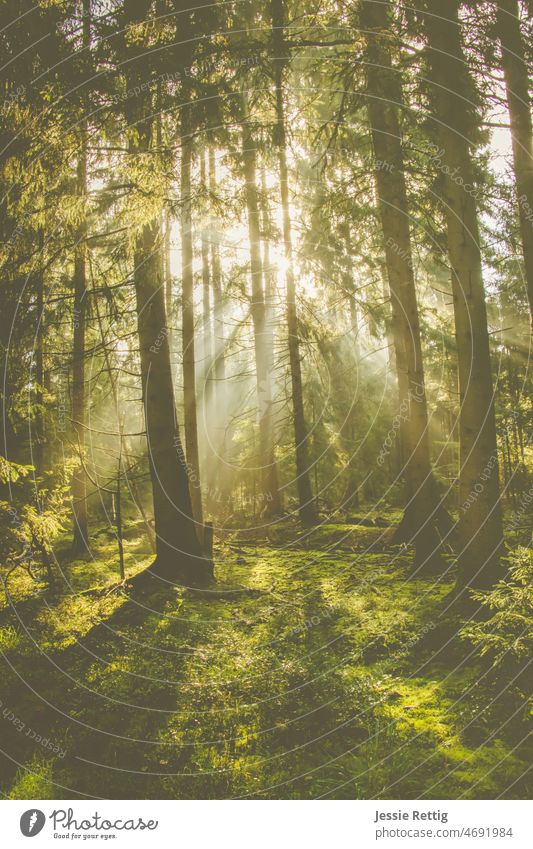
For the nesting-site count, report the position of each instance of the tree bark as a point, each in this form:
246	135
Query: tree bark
480	524
39	439
206	382
80	541
118	513
350	496
115	391
267	460
421	515
222	423
178	552
177	545
169	299
218	296
269	282
206	300
306	503
188	334
517	88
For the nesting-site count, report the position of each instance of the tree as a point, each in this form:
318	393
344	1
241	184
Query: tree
452	98
187	295
419	524
306	504
178	552
518	100
262	337
218	321
80	542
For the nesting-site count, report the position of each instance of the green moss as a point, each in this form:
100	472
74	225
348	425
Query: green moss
322	681
34	781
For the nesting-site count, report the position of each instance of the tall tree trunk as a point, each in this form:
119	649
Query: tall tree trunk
114	382
350	496
419	523
221	418
38	441
206	382
207	334
267	460
169	299
178	552
307	506
480	524
218	296
187	294
350	292
118	509
207	328
517	87
269	282
80	541
177	545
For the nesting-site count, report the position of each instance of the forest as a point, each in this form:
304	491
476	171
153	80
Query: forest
266	473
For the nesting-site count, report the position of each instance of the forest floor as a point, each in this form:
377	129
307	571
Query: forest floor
317	669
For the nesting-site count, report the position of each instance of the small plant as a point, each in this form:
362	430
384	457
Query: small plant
506	636
11	472
29	530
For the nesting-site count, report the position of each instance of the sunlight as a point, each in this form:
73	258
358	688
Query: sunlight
122	349
266	464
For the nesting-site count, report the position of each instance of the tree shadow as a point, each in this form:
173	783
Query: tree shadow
81	703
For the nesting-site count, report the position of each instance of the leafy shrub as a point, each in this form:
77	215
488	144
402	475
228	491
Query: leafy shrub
34	781
506	635
30	525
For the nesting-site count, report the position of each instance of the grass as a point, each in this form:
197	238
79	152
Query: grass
319	670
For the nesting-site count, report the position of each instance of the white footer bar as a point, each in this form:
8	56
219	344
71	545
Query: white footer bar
268	824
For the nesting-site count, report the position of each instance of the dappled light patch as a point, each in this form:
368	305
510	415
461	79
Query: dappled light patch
312	685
